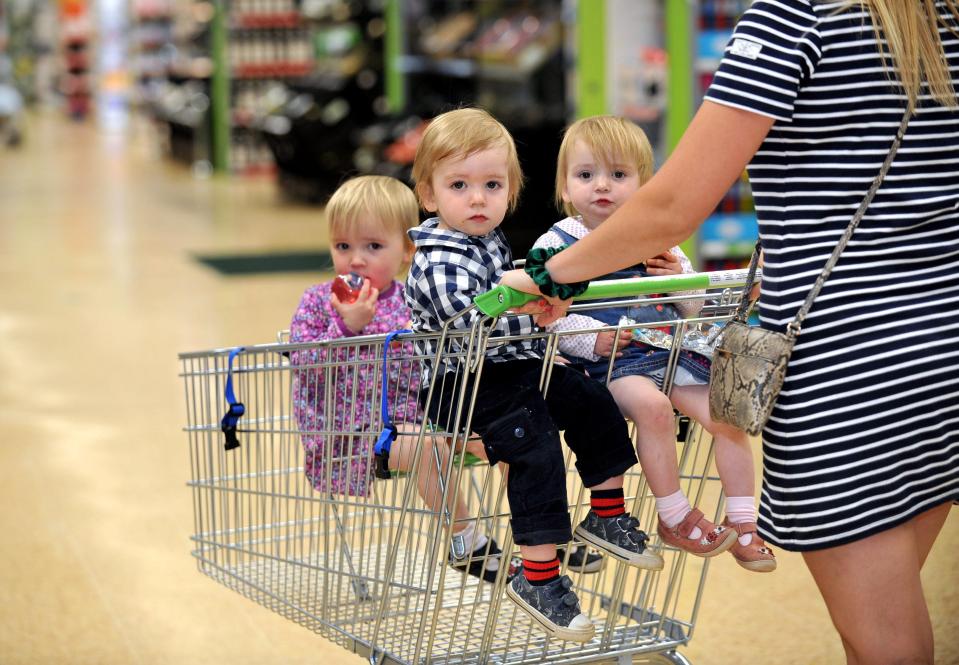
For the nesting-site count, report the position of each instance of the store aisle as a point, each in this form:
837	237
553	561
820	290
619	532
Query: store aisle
101	289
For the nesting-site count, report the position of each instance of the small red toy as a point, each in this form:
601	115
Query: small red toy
347	287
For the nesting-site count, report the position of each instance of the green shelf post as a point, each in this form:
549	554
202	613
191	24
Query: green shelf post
392	51
591	58
219	90
679	110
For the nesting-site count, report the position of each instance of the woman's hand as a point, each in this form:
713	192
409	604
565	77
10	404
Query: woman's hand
605	342
666	263
546	310
357	314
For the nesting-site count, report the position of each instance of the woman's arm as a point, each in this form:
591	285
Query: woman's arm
712	154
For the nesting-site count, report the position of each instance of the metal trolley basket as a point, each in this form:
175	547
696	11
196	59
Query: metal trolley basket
369	571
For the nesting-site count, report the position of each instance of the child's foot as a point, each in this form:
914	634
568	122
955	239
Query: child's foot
712	540
554	606
620	537
484	563
754	555
581	560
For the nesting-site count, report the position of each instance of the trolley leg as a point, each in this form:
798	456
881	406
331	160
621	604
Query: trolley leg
360	587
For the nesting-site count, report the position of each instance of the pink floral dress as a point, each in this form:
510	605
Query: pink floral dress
336	390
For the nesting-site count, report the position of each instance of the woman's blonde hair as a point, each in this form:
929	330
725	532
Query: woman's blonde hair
911	29
375	197
612	140
461	133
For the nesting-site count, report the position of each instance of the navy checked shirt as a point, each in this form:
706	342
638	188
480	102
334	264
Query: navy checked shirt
448	270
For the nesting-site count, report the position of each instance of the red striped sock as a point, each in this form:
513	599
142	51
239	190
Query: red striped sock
608	503
540	572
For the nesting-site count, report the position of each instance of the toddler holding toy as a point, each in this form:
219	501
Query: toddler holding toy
368	219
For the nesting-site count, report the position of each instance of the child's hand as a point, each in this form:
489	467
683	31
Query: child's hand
666	263
358	314
605	340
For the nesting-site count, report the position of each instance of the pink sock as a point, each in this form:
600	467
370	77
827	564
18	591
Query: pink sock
673	508
741	509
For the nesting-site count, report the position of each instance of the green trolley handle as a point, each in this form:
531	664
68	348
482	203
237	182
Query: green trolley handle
502	298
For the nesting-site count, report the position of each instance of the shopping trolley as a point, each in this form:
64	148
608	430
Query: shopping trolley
369	569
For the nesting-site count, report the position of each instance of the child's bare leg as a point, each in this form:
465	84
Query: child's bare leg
652	411
434	461
734	460
538	552
642	402
734	455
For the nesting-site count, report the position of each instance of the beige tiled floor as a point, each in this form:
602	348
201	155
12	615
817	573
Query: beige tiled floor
98	292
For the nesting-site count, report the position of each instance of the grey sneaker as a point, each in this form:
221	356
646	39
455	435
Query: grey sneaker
554	606
581	560
484	563
619	537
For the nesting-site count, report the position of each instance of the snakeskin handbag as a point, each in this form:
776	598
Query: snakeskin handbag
750	363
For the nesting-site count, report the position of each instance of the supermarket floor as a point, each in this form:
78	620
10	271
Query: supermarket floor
101	289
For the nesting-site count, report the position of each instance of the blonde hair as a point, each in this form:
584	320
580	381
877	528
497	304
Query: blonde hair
381	198
612	140
461	133
911	30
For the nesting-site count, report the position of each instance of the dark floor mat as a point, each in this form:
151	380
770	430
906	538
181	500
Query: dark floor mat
267	262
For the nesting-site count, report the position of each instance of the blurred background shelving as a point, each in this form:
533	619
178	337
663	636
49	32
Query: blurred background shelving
310	92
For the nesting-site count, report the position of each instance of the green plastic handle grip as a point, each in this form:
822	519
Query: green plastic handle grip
502	298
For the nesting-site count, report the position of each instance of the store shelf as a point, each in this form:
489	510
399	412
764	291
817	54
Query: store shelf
726	239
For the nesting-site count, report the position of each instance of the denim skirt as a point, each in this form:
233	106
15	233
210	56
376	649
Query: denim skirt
644	360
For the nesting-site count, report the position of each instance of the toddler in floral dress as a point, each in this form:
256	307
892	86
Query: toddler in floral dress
368	219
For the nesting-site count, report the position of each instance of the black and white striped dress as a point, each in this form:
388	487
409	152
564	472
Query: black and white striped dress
865	434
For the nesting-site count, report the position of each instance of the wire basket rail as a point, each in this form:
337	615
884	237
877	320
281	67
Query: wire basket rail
362	560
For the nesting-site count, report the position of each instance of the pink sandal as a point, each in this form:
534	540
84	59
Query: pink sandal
755	556
714	540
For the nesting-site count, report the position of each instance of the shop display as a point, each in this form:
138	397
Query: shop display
727	236
75	80
181	101
269	43
505	56
319	127
151	48
11	101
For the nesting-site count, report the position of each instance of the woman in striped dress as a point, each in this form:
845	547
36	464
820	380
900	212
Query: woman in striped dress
861	454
